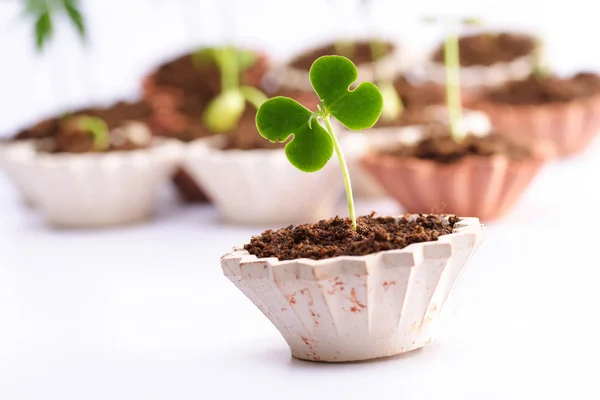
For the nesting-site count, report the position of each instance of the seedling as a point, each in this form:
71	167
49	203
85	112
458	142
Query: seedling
94	126
313	144
224	111
540	68
452	62
43	12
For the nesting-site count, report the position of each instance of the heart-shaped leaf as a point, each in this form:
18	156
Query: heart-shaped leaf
331	77
311	147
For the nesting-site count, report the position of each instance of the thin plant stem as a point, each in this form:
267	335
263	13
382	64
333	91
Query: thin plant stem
253	96
229	69
345	173
540	69
453	95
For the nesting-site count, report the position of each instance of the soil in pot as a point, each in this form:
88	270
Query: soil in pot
490	48
335	237
439	147
114	116
552	89
361	54
201	82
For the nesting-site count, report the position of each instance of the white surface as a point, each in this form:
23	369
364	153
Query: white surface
145	313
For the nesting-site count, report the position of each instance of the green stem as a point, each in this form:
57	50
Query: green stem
228	65
453	95
540	70
345	173
253	96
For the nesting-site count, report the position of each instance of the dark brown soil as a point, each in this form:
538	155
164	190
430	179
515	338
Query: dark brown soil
114	115
490	48
552	89
202	81
361	54
335	237
438	146
71	139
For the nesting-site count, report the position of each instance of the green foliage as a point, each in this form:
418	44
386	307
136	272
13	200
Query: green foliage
312	145
280	117
331	78
225	110
96	127
42	11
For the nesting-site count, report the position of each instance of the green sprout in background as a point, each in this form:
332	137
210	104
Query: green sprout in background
95	127
393	105
224	111
44	11
312	144
540	68
452	62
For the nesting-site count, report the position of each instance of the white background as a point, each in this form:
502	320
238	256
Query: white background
145	313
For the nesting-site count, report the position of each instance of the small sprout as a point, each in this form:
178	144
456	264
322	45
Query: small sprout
540	68
94	126
225	110
43	13
312	145
453	90
471	21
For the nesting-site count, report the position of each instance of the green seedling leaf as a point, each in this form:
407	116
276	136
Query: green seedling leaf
311	147
331	78
43	30
471	21
75	15
224	111
97	127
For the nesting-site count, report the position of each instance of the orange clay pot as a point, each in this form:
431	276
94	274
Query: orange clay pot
571	126
485	187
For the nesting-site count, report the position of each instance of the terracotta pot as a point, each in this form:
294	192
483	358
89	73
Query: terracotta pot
363	182
486	187
360	307
571	126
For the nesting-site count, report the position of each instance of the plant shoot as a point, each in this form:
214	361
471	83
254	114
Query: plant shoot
224	111
93	126
313	144
43	12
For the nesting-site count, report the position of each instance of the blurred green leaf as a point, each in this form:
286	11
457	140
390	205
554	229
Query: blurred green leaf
331	78
224	111
311	147
97	127
43	30
74	14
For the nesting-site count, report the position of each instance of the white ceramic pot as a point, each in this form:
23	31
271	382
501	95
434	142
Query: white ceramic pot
359	307
363	183
23	186
261	187
388	68
92	189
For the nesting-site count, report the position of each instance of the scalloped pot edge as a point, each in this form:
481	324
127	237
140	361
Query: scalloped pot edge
354	308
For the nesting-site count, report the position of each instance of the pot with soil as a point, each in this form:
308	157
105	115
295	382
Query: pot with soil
87	174
347	289
114	115
563	111
487	60
421	109
369	56
451	170
181	89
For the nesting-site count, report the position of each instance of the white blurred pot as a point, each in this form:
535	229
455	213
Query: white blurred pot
363	183
23	186
92	189
357	307
258	187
